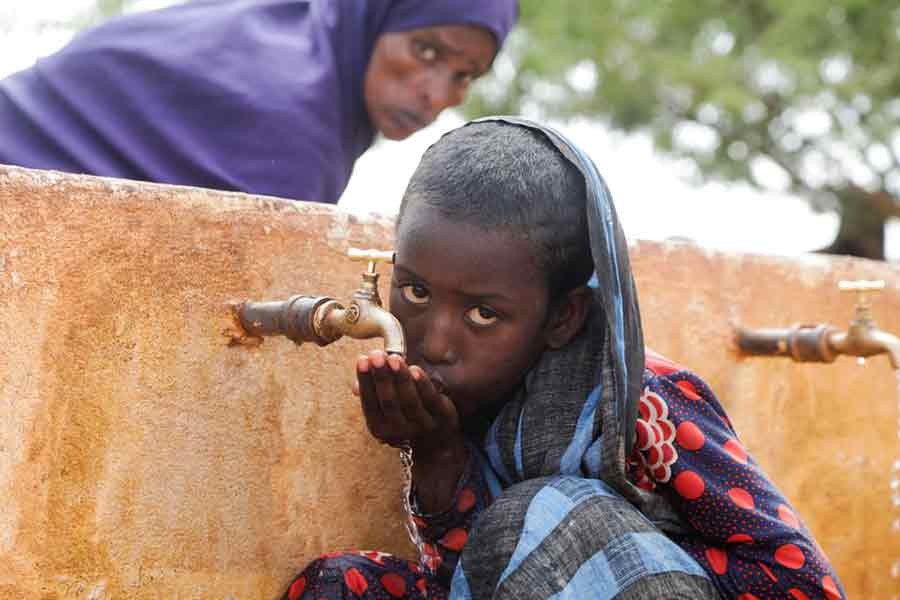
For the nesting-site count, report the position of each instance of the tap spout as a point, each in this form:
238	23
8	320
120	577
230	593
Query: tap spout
362	319
318	319
864	339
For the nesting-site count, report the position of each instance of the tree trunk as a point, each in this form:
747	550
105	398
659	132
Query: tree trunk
861	232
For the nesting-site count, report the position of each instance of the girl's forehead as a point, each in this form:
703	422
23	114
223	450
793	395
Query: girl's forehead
464	255
427	225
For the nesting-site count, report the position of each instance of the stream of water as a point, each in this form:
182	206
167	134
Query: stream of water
895	491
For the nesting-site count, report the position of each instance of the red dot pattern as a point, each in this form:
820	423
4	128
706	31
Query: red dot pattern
718	560
736	451
787	516
790	556
687	388
689	436
394	585
466	500
742	498
725	496
296	589
455	539
689	485
356	581
830	588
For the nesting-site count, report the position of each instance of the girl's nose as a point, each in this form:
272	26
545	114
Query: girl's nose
437	341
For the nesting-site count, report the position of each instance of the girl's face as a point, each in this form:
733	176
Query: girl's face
414	75
473	305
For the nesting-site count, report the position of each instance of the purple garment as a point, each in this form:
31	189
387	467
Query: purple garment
258	96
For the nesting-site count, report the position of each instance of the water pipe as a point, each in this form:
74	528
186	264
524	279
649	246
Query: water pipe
824	343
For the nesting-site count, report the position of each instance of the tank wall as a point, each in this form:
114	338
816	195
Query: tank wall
142	456
826	433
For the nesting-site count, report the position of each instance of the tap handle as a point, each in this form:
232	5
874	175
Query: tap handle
861	287
373	257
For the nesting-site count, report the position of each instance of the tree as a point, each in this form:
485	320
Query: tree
801	96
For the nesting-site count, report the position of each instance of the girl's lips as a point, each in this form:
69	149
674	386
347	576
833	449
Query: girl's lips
437	381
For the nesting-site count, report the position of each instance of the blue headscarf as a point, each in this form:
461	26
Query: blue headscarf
259	96
575	413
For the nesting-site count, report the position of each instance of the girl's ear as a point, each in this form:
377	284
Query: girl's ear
567	316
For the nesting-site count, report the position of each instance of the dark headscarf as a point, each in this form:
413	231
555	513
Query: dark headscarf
260	96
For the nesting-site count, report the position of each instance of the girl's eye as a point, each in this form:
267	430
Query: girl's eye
426	52
482	316
414	294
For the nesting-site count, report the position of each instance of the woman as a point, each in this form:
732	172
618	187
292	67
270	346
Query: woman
274	97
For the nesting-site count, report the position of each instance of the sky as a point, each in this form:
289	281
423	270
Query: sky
653	195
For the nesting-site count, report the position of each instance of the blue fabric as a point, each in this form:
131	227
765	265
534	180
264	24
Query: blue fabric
623	562
546	511
259	96
571	463
567	516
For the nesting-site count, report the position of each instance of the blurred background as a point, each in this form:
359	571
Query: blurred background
759	126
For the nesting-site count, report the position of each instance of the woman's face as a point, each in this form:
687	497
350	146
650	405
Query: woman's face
414	75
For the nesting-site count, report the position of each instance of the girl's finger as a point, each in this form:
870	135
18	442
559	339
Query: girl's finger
438	406
386	392
368	395
408	399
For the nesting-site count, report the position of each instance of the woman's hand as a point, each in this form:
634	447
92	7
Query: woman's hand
402	406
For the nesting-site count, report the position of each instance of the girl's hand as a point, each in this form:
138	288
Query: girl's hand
402	406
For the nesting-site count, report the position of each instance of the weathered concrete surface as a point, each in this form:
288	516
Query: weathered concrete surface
142	457
139	454
826	433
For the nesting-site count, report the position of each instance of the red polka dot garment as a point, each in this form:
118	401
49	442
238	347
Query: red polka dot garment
746	535
749	538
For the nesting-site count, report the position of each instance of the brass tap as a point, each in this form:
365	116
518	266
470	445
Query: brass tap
863	338
823	343
322	319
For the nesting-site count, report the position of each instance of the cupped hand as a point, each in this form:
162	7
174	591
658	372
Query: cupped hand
402	406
